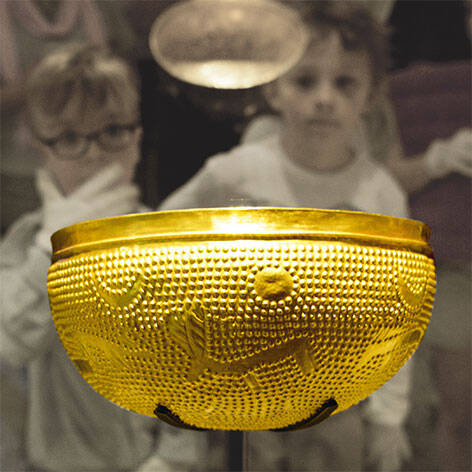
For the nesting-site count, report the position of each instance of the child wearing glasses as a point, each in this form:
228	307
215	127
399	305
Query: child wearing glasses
84	113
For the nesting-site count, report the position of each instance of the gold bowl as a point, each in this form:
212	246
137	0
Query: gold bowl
241	318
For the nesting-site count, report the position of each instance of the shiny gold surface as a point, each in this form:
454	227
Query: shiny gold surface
241	318
228	44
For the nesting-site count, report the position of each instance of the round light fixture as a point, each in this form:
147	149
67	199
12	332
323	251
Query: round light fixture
228	44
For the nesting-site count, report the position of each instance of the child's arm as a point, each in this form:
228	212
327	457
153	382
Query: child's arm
212	186
191	194
26	323
442	157
386	412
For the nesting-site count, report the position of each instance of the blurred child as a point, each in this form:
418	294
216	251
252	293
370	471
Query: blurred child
84	113
29	30
314	160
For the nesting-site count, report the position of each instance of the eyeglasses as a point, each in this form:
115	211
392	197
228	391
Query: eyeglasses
71	146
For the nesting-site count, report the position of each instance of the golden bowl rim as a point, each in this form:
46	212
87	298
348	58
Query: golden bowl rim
240	223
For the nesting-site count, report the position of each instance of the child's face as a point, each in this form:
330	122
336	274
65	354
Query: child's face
74	152
323	97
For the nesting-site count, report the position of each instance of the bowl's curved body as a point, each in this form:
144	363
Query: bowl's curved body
238	318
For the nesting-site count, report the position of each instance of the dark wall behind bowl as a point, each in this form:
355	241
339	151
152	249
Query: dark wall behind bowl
432	30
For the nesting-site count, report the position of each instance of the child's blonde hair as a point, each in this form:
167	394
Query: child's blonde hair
80	77
358	29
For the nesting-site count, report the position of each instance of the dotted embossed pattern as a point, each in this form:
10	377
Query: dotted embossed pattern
245	335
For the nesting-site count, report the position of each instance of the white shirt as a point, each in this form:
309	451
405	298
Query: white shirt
69	426
259	174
